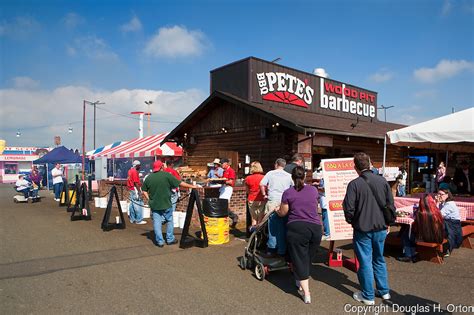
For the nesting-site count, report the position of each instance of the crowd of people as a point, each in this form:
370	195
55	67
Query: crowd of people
293	207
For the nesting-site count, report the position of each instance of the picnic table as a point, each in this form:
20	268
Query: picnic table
405	214
468	207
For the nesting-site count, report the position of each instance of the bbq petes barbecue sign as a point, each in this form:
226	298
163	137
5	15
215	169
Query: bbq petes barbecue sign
315	93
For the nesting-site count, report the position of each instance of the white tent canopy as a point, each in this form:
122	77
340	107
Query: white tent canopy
454	132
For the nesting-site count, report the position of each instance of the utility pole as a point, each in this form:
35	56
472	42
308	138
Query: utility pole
84	132
385	110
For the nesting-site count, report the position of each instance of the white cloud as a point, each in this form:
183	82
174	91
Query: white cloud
445	69
447	7
175	42
72	20
25	83
92	47
20	27
57	110
383	75
431	94
134	25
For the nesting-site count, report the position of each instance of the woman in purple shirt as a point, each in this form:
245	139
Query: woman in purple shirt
304	230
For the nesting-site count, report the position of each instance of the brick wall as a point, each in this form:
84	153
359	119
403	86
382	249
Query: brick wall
237	201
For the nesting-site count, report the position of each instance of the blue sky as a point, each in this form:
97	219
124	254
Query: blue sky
418	56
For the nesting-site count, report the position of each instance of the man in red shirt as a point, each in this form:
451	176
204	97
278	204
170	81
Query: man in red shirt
135	210
227	189
175	192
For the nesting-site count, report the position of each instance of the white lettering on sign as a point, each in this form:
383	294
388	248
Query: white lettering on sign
285	88
361	103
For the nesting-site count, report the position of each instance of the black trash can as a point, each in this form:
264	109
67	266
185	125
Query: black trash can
216	219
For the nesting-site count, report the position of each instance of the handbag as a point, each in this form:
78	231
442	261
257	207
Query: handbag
388	210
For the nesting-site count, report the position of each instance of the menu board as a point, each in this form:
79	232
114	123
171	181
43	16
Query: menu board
337	174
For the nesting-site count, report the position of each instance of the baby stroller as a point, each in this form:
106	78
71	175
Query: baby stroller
255	257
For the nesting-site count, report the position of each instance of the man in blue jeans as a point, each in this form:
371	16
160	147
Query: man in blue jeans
362	211
158	188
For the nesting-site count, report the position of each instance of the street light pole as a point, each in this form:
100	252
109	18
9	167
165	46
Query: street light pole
385	110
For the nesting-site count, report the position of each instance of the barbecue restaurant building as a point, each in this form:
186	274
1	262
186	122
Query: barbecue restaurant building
259	110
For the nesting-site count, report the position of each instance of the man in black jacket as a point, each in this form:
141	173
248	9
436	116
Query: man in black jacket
362	211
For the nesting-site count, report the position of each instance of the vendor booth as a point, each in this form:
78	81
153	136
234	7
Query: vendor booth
449	139
15	161
260	111
71	162
119	158
263	111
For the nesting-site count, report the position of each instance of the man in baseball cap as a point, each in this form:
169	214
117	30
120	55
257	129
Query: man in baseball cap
157	188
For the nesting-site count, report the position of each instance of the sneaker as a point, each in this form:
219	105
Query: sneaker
404	259
358	297
446	254
326	238
55	199
386	296
160	245
175	241
141	222
306	298
131	222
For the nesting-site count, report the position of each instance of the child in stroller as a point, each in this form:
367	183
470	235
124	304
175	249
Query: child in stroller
254	255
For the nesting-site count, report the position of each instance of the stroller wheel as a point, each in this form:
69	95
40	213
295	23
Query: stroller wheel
259	271
243	262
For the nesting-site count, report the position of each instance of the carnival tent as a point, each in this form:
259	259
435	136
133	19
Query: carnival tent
59	155
143	147
454	132
92	153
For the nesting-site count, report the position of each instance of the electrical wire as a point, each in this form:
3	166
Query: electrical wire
136	118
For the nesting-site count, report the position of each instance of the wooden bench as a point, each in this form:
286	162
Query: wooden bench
467	234
430	251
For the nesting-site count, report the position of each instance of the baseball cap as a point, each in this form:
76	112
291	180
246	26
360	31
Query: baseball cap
136	162
225	161
157	165
317	175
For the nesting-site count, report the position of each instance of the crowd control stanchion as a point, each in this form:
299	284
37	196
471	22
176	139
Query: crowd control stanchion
89	186
73	203
106	225
82	205
64	196
188	240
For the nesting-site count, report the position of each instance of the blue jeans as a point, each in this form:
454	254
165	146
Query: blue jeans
25	192
408	241
324	213
58	188
174	200
277	233
401	191
135	211
159	217
368	247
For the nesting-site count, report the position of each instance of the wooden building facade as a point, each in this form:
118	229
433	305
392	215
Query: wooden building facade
264	111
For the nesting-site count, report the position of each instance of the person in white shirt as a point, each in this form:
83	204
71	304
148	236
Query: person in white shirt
57	174
272	186
23	186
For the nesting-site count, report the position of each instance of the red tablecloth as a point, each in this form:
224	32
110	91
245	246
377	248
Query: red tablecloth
409	210
409	201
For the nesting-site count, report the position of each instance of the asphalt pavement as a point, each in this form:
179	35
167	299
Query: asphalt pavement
52	265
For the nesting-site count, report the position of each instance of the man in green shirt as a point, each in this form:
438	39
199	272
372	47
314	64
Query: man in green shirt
157	189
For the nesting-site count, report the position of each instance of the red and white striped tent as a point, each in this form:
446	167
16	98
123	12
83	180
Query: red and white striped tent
143	147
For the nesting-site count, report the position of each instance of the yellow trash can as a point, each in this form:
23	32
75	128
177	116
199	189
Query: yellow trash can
217	230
